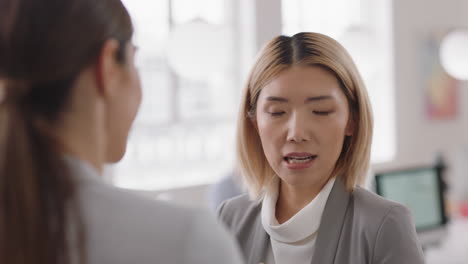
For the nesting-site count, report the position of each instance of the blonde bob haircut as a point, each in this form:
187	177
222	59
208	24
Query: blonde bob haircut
304	49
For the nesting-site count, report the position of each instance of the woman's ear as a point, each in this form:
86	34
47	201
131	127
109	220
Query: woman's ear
107	67
350	126
253	121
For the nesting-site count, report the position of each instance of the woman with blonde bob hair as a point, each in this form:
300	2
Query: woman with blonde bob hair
303	148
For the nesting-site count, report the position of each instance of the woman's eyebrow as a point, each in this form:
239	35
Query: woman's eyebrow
307	100
318	98
276	99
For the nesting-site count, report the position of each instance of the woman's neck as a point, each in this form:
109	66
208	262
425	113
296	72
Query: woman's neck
291	199
81	137
93	161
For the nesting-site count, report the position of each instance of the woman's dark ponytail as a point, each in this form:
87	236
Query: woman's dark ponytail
44	46
36	190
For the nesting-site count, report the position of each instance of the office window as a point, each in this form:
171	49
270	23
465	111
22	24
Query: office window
183	134
364	28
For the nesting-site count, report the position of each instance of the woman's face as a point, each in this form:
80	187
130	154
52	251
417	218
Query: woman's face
124	107
302	120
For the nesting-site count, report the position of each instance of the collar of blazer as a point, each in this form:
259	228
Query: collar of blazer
331	224
329	231
261	238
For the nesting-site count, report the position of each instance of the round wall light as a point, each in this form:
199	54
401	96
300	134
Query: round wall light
454	54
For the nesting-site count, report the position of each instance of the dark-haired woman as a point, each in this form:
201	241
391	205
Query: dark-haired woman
70	92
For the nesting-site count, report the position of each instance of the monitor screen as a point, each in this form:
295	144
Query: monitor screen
420	190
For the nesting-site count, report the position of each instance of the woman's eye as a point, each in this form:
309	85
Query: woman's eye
278	113
324	113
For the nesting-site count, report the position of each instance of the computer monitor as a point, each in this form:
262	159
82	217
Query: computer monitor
421	190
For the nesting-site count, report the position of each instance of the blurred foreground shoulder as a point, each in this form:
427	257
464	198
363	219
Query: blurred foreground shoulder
208	234
125	227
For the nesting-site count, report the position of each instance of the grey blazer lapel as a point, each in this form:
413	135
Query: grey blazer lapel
331	224
261	241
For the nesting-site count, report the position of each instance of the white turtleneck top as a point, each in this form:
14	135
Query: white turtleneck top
294	240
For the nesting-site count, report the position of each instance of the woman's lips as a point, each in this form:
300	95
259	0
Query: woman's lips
299	162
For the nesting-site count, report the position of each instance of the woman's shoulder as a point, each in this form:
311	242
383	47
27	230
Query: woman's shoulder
370	202
124	201
240	202
238	210
377	213
390	224
142	226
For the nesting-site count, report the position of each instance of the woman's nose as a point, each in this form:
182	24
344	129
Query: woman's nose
297	129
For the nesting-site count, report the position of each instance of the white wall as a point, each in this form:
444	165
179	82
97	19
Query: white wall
419	139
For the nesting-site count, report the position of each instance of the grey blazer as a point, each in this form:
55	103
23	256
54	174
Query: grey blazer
123	227
356	228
